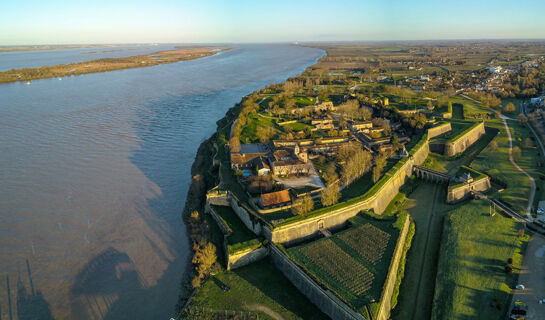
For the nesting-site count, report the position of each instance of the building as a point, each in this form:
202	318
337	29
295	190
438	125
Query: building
243	159
362	126
323	124
275	199
288	161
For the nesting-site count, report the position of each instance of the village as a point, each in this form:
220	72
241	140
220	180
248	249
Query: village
350	165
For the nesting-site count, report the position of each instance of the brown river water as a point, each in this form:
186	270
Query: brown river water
94	171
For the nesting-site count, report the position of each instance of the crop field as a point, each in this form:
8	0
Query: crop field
353	263
369	241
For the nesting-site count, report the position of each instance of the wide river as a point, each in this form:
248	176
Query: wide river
94	171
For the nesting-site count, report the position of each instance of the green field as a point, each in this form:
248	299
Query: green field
496	163
427	208
354	262
240	237
257	289
471	282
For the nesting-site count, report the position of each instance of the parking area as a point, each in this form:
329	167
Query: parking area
532	276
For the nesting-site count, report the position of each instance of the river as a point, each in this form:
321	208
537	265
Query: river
94	171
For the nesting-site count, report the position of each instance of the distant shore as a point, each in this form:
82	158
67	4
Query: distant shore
108	64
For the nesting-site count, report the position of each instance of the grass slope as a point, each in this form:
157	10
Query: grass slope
471	283
253	288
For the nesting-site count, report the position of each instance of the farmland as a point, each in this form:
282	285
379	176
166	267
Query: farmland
354	262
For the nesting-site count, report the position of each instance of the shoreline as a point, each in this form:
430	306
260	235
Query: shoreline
108	64
194	199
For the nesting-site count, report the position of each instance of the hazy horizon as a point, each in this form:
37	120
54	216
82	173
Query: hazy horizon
167	21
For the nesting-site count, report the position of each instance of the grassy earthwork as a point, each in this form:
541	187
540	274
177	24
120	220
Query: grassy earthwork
258	290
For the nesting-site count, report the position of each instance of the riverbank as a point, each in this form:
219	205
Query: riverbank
108	64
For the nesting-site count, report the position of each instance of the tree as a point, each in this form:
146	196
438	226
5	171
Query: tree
494	145
264	134
302	205
330	195
430	105
204	258
522	119
510	107
395	142
330	175
516	152
380	163
234	144
528	143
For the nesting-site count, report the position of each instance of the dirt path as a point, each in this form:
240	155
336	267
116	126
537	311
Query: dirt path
532	181
264	309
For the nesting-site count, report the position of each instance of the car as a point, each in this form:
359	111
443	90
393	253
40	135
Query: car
520	287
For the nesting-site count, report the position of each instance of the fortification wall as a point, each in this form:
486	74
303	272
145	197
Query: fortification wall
240	258
326	301
245	257
439	130
310	227
221	225
462	143
250	222
462	192
388	289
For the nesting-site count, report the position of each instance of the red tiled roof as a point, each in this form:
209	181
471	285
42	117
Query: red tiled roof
275	198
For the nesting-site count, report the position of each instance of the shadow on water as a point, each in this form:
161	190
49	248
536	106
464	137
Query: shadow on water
109	286
170	130
30	305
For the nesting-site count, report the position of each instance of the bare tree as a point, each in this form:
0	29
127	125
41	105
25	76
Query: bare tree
331	194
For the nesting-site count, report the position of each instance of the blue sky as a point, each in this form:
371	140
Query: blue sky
122	21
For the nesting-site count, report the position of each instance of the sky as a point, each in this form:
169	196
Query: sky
29	22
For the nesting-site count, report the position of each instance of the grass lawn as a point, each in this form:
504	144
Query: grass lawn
471	282
241	237
297	126
257	288
249	135
427	207
304	100
496	163
471	108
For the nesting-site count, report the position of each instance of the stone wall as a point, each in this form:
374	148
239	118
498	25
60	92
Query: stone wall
310	227
245	216
245	257
221	225
463	191
462	143
439	130
240	258
324	299
389	285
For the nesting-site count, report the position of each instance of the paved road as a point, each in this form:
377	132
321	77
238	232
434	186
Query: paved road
533	278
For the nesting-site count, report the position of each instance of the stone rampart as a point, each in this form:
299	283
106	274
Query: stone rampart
439	130
300	230
463	191
324	299
461	143
245	216
245	257
389	285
